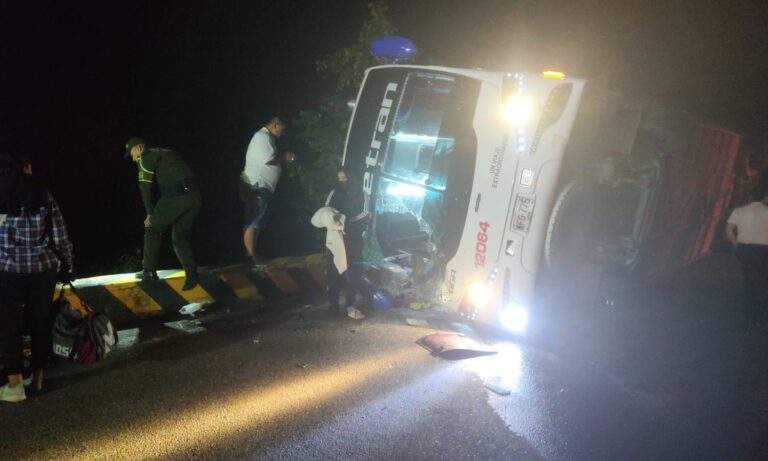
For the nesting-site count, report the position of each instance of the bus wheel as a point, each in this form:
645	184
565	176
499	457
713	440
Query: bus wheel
569	245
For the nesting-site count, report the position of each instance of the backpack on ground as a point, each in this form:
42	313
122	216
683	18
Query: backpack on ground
68	330
82	339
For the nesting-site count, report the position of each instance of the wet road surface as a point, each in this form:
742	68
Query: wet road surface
665	374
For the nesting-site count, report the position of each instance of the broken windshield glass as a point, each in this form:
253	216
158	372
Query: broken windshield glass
423	188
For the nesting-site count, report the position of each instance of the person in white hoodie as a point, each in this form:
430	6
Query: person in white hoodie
350	211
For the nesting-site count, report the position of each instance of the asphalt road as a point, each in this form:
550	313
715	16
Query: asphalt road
669	373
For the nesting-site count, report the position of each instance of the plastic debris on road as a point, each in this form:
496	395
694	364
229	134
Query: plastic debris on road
355	313
417	322
192	308
453	346
187	326
497	388
256	340
302	365
353	329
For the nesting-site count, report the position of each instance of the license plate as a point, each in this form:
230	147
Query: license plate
521	220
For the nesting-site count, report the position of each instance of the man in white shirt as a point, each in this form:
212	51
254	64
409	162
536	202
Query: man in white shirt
259	179
747	229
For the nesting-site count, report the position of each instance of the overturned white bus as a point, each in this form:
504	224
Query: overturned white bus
482	184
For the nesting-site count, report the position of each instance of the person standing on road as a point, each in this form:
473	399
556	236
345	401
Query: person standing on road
176	208
348	198
258	180
34	248
747	229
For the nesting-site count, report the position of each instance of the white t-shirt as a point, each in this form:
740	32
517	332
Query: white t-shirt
261	150
751	223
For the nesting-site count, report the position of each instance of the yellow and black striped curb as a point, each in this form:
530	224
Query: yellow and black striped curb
125	299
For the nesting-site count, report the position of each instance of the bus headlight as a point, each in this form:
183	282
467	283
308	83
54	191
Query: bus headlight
517	110
514	318
478	294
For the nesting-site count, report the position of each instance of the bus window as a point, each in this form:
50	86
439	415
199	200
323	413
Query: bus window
418	148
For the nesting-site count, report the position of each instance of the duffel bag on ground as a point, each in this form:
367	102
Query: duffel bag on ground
68	330
82	339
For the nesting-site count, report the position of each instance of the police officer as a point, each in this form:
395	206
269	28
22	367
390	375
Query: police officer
172	201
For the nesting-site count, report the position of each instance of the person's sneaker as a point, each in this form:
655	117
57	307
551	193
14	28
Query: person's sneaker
147	276
354	313
12	394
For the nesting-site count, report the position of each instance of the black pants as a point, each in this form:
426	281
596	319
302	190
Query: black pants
353	278
178	213
30	294
754	264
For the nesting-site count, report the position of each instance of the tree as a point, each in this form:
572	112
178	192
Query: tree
324	129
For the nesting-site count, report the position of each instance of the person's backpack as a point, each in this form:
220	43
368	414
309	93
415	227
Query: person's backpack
82	339
100	338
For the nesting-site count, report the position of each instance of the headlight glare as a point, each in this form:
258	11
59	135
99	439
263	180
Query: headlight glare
478	294
514	318
516	110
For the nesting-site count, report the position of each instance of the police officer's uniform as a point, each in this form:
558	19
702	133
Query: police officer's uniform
163	172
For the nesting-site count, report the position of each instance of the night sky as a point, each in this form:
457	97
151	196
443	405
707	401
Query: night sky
79	77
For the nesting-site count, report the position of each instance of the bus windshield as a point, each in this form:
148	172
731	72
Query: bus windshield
423	187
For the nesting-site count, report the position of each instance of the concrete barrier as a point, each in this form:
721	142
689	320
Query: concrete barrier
126	300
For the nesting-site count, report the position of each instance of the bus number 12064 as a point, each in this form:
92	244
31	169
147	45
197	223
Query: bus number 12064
481	247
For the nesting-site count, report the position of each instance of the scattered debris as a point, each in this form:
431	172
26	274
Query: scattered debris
187	326
453	346
353	329
417	322
302	365
498	388
191	308
419	305
355	313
